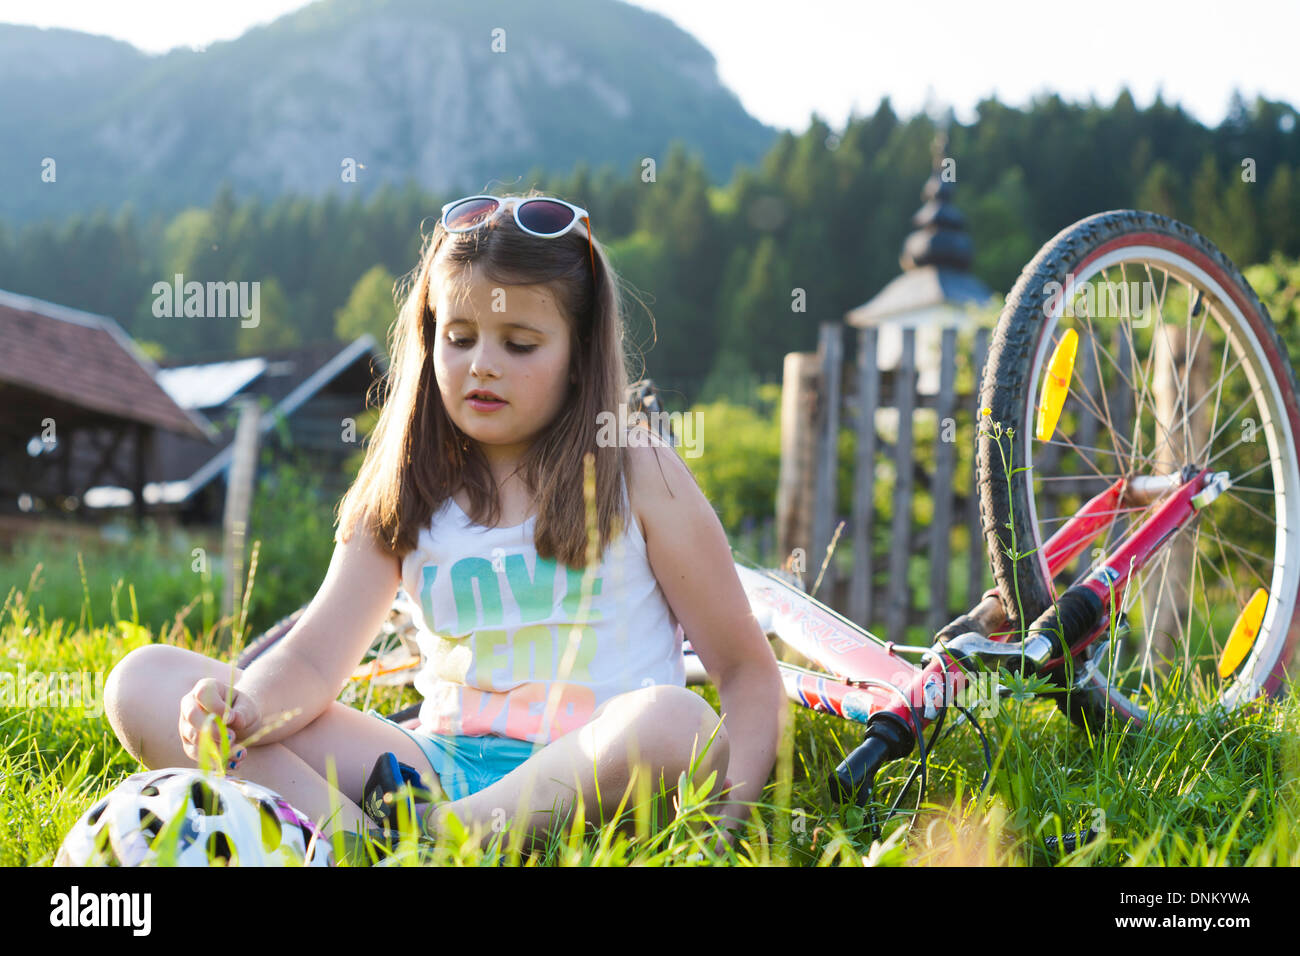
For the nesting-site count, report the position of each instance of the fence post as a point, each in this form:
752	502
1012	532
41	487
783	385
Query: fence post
239	495
142	459
830	351
941	484
794	498
864	482
900	595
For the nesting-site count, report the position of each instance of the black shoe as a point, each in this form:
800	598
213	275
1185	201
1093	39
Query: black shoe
385	783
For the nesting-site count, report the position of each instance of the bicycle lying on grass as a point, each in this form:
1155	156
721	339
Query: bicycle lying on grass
1149	573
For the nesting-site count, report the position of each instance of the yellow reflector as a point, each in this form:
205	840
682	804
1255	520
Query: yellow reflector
1056	384
1243	633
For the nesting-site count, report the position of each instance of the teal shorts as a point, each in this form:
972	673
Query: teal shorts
466	765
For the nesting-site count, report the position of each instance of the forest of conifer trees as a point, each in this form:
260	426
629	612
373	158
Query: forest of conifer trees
712	265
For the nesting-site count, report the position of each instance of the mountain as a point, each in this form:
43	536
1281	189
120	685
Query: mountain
457	95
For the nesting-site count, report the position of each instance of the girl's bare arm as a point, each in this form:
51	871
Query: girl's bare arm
689	554
305	670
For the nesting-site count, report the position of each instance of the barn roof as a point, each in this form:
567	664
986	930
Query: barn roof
87	361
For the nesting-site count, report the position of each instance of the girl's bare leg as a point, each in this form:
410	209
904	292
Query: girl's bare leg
659	729
142	701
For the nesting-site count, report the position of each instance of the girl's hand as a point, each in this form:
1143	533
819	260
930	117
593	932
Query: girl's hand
200	709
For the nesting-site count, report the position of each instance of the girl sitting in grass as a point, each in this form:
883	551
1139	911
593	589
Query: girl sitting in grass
552	672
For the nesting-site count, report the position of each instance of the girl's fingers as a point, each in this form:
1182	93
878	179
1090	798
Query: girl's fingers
198	719
210	694
191	736
211	729
192	713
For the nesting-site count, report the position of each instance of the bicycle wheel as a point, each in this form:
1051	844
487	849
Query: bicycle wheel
1176	364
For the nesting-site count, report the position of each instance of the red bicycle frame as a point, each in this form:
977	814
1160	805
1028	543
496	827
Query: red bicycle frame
869	677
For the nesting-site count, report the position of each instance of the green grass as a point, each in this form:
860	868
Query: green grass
1205	793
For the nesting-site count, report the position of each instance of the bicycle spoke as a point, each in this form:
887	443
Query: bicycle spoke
1246	474
1111	430
1150	627
1189	351
1224	451
1091	402
1096	514
1141	401
1245	551
1091	406
1183	634
1062	444
1216	648
1252	508
1086	459
1191	600
1218	395
1219	537
1271	492
1221	453
1202	400
1115	365
1232	586
1146	370
1134	444
1107	479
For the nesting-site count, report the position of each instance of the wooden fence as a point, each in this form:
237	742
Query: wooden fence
892	568
878	588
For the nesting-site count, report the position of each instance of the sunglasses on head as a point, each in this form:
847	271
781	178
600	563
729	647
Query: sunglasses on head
540	216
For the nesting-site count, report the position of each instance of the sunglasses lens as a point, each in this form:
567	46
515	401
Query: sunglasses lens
545	216
468	214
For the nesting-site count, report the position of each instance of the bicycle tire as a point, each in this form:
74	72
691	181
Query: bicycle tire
1008	392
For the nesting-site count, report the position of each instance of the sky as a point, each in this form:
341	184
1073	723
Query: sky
787	60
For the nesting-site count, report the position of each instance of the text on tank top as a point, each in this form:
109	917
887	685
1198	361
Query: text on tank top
505	636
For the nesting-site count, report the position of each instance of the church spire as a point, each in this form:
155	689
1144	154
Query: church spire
939	237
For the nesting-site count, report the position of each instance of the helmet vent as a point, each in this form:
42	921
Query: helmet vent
206	799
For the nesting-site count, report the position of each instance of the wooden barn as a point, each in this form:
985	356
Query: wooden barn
80	406
307	395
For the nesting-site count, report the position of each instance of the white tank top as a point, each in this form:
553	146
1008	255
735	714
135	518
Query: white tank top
495	624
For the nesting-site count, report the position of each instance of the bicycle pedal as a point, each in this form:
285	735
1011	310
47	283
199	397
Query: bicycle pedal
1069	842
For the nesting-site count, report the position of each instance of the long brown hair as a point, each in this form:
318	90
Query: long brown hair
416	456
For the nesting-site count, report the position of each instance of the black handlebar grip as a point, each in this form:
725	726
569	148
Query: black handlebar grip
886	739
1075	614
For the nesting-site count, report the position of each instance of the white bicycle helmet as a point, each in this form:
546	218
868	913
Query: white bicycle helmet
223	818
